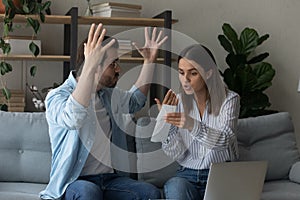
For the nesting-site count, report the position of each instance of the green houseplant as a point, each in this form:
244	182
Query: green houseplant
34	11
248	74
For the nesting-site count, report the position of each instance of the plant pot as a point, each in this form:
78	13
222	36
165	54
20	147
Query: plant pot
2	7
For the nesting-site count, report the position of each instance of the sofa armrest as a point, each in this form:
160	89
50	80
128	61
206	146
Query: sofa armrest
295	172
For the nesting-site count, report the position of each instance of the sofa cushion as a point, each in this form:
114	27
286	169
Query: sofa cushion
153	165
271	138
281	190
25	151
20	191
295	173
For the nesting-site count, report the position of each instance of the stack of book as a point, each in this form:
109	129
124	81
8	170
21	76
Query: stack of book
125	47
113	9
16	103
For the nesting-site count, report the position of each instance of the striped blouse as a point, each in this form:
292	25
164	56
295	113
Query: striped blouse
212	139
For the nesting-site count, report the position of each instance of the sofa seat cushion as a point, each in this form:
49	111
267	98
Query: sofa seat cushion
271	138
20	191
279	190
25	150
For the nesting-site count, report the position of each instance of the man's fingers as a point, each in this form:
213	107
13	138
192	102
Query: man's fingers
158	37
146	34
101	37
162	41
97	33
108	45
137	48
91	33
153	34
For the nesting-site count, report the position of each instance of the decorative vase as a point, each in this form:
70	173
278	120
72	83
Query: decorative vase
2	6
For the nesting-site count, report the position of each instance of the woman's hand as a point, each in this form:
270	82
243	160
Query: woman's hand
175	118
170	99
180	120
150	49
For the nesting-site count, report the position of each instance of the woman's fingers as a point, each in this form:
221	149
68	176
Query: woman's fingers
175	118
158	103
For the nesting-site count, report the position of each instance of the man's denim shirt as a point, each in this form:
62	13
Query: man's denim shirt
72	130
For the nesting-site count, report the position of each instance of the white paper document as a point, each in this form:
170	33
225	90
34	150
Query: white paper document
162	128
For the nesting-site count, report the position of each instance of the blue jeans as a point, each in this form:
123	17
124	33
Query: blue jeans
188	184
110	186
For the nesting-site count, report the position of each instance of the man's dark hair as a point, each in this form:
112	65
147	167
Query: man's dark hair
80	52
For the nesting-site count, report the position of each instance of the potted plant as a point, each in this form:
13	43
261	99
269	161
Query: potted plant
34	11
248	74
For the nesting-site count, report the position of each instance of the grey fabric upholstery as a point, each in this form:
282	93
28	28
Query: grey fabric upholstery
295	173
269	137
25	155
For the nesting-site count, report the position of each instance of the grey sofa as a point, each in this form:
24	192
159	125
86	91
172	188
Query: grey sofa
25	154
269	137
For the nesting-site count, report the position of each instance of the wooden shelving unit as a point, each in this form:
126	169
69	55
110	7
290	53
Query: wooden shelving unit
71	21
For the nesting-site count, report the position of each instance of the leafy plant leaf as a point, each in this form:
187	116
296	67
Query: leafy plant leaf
258	58
6	93
225	43
229	32
34	23
5	67
265	74
234	60
262	39
3	107
249	38
35	50
46	5
33	70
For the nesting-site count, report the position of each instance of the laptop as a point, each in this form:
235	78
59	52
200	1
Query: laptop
236	180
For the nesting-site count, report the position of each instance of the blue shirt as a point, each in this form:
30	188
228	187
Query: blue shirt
72	131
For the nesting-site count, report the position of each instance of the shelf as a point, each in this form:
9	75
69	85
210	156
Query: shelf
66	58
136	59
116	21
38	58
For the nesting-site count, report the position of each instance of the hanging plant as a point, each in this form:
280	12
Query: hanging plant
34	11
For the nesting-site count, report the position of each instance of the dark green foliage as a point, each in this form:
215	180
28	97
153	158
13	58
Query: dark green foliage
248	74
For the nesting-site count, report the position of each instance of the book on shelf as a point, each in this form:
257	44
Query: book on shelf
98	6
13	99
125	47
16	109
16	103
14	92
116	13
112	9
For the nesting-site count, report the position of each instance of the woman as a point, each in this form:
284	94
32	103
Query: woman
203	127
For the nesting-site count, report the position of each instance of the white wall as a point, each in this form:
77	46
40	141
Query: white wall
202	21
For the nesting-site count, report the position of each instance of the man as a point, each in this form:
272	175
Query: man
85	117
